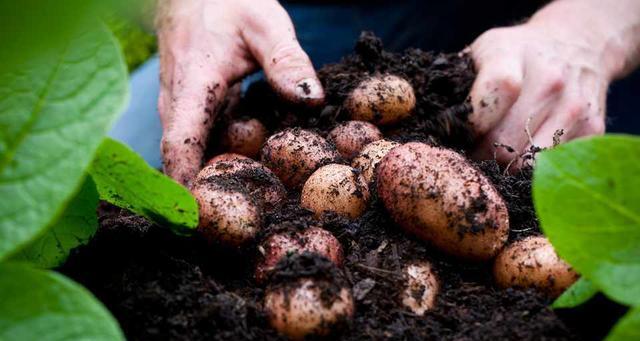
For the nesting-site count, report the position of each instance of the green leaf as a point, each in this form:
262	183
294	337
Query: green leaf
579	293
54	111
76	227
46	306
124	179
628	328
587	196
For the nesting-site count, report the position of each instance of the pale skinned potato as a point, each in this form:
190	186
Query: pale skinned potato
384	99
533	263
421	289
226	216
225	157
314	240
435	194
351	136
258	179
335	188
299	310
367	161
293	154
245	137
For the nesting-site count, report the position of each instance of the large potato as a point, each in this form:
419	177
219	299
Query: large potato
382	100
293	154
532	262
351	136
437	195
335	188
368	159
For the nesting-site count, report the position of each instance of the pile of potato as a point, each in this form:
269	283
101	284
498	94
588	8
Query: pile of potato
431	192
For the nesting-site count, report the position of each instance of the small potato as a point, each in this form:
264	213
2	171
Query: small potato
336	188
227	215
435	194
293	154
382	100
303	308
245	137
225	157
351	136
532	262
421	288
368	159
313	240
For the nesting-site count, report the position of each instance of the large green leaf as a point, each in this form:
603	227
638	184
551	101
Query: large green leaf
124	179
628	328
76	226
46	306
587	195
55	109
579	293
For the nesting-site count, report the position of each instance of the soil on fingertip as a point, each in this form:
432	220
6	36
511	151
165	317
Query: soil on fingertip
161	286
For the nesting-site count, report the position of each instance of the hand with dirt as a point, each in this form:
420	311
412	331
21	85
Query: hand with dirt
551	74
205	47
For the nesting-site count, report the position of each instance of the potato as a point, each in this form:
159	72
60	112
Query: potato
315	240
435	194
421	288
382	100
302	308
261	183
368	159
351	136
335	188
293	154
228	215
532	262
225	157
245	137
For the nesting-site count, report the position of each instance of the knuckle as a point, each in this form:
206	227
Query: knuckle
554	81
288	54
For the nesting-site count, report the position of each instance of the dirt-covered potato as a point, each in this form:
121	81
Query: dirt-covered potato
228	215
257	179
245	137
368	159
382	100
225	157
532	262
421	288
314	240
305	308
436	194
293	154
335	188
351	136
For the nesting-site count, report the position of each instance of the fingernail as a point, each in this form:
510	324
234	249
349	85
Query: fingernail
309	88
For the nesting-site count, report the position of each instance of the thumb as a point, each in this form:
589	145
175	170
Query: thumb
272	40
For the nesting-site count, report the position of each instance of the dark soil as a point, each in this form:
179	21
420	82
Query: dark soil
165	287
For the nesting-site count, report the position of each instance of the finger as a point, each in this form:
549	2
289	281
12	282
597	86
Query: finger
189	107
272	40
493	93
541	90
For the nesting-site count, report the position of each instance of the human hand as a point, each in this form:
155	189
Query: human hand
550	74
205	47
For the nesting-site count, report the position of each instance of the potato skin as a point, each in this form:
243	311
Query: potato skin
225	157
226	216
299	310
279	245
533	262
245	137
435	194
293	154
422	287
370	156
382	100
335	188
351	136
